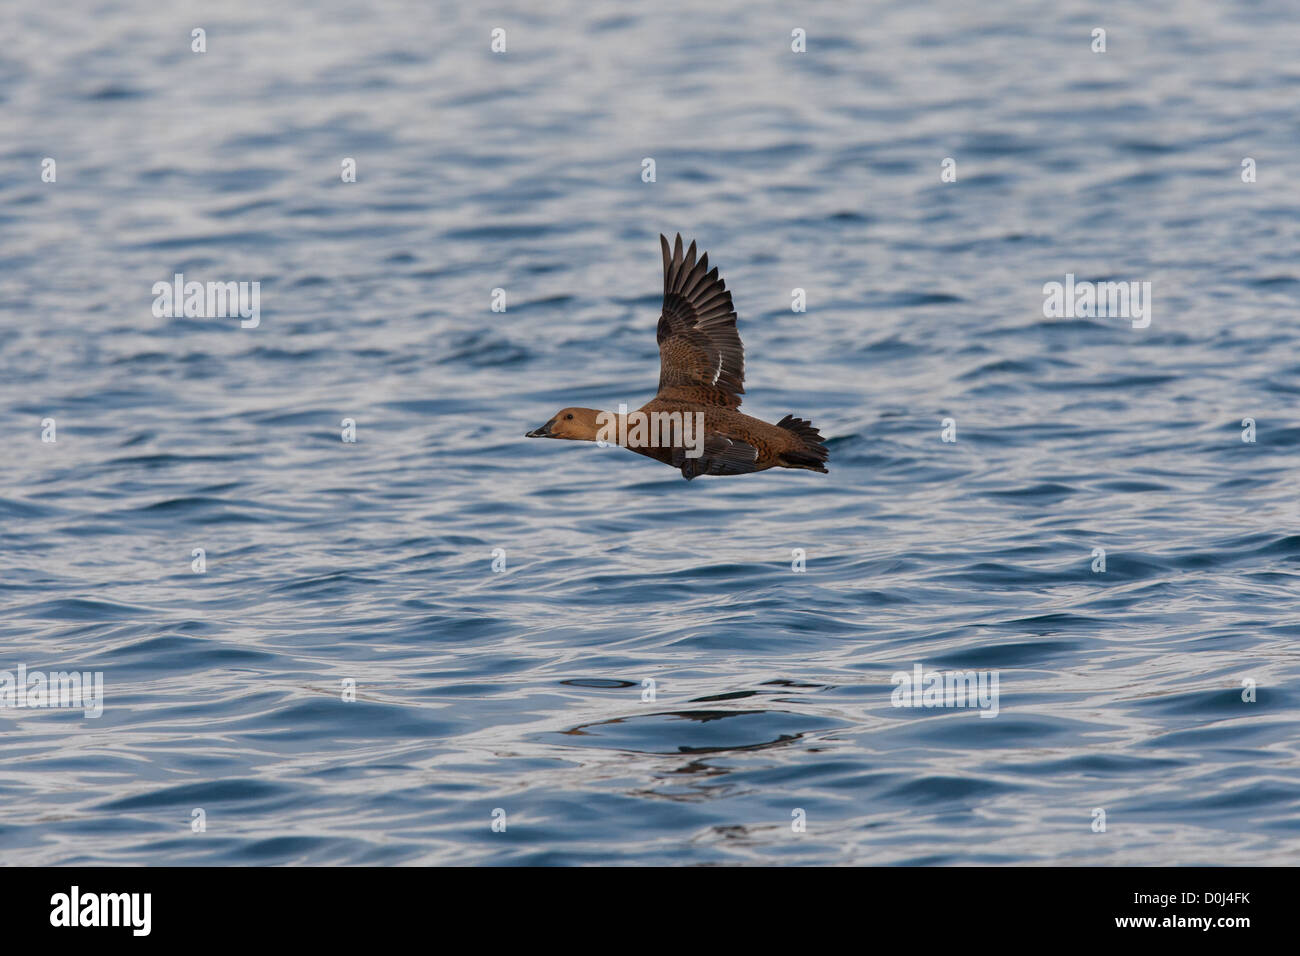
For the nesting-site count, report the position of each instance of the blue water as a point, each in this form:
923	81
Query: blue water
523	690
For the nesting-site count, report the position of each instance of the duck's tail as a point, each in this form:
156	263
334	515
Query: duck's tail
812	451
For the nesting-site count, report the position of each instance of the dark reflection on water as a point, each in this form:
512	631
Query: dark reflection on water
743	730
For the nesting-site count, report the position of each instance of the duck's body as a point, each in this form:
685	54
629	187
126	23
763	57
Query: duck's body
783	445
702	374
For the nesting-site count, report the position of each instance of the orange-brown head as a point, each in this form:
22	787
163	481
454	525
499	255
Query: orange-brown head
577	424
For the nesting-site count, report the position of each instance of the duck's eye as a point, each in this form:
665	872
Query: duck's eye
568	416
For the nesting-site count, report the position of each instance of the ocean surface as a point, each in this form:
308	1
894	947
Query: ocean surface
649	680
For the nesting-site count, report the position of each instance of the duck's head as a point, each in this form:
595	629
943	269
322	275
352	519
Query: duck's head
578	424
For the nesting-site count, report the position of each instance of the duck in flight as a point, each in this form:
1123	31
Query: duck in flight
701	379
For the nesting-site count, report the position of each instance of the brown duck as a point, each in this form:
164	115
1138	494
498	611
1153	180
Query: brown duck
694	423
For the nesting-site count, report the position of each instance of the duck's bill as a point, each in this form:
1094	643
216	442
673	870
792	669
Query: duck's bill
543	432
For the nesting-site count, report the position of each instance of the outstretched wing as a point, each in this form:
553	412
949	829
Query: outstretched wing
701	358
722	455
